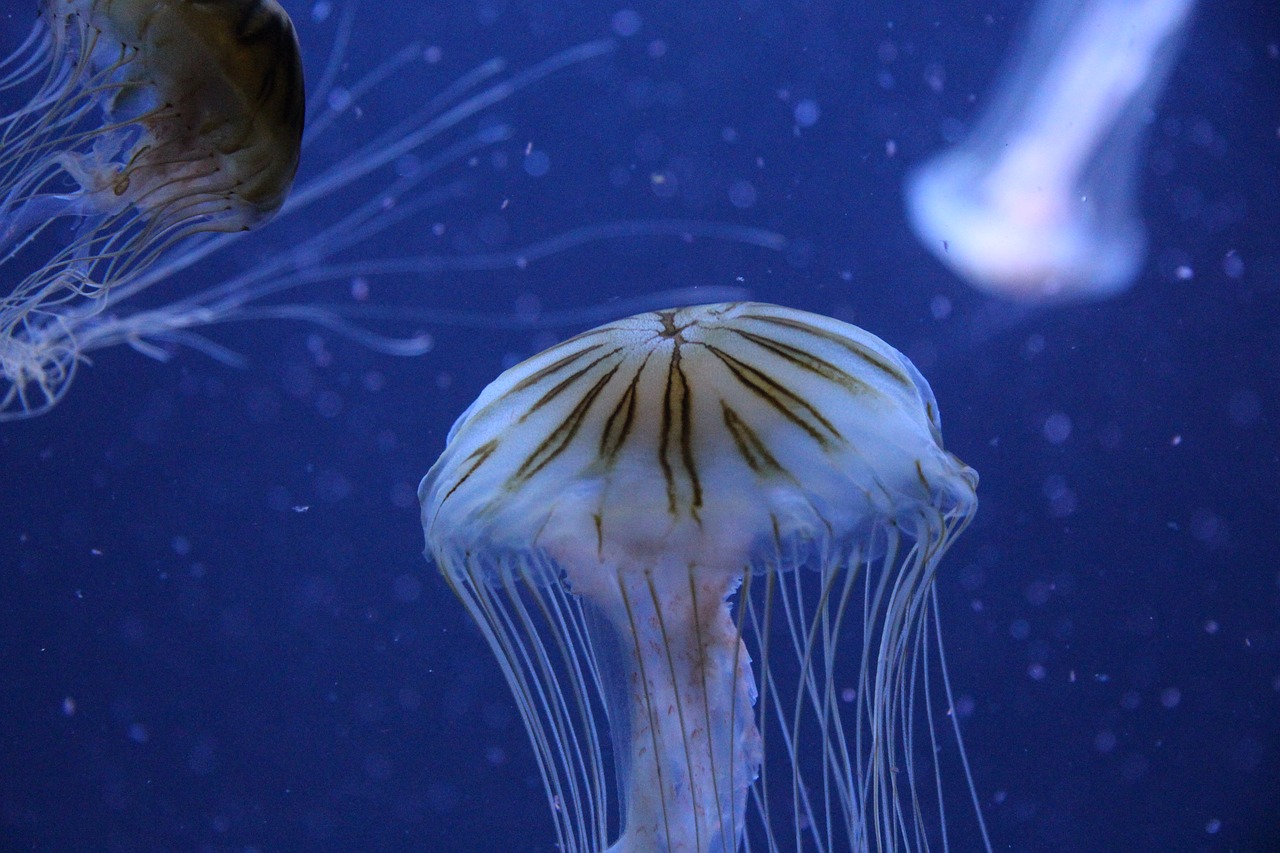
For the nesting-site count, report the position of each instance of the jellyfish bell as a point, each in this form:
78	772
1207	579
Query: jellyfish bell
1011	233
660	526
1038	203
205	104
148	123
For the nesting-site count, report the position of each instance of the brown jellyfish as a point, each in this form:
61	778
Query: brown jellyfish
148	123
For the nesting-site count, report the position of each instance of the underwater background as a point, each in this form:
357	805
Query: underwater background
217	629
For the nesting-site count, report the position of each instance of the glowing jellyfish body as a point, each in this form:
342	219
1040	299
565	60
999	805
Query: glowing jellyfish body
708	537
150	121
1038	202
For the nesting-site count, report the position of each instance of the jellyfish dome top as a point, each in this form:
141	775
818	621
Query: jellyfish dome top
147	121
702	544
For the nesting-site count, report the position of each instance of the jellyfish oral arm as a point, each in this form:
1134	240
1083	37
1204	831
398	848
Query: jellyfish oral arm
694	746
1104	64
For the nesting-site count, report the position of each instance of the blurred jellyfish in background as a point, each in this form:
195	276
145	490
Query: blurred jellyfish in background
1038	203
702	544
146	124
153	134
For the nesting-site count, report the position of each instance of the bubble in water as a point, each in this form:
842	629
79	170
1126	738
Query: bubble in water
339	99
536	163
807	113
626	23
742	194
1057	428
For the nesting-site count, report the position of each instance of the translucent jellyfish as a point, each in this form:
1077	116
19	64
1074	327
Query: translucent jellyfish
702	544
149	122
100	118
1038	203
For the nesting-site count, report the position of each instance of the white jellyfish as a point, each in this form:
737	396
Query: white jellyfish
1037	203
702	544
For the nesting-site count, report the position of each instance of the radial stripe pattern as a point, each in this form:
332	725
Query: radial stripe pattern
674	417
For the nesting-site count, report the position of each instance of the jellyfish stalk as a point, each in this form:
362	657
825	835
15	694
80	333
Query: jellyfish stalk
693	748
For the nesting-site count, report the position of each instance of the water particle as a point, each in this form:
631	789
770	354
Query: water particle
807	113
626	23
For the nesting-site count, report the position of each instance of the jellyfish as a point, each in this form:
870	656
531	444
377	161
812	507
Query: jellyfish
104	81
1037	204
147	123
702	545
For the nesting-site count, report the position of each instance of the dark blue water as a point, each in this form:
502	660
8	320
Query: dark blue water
217	631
